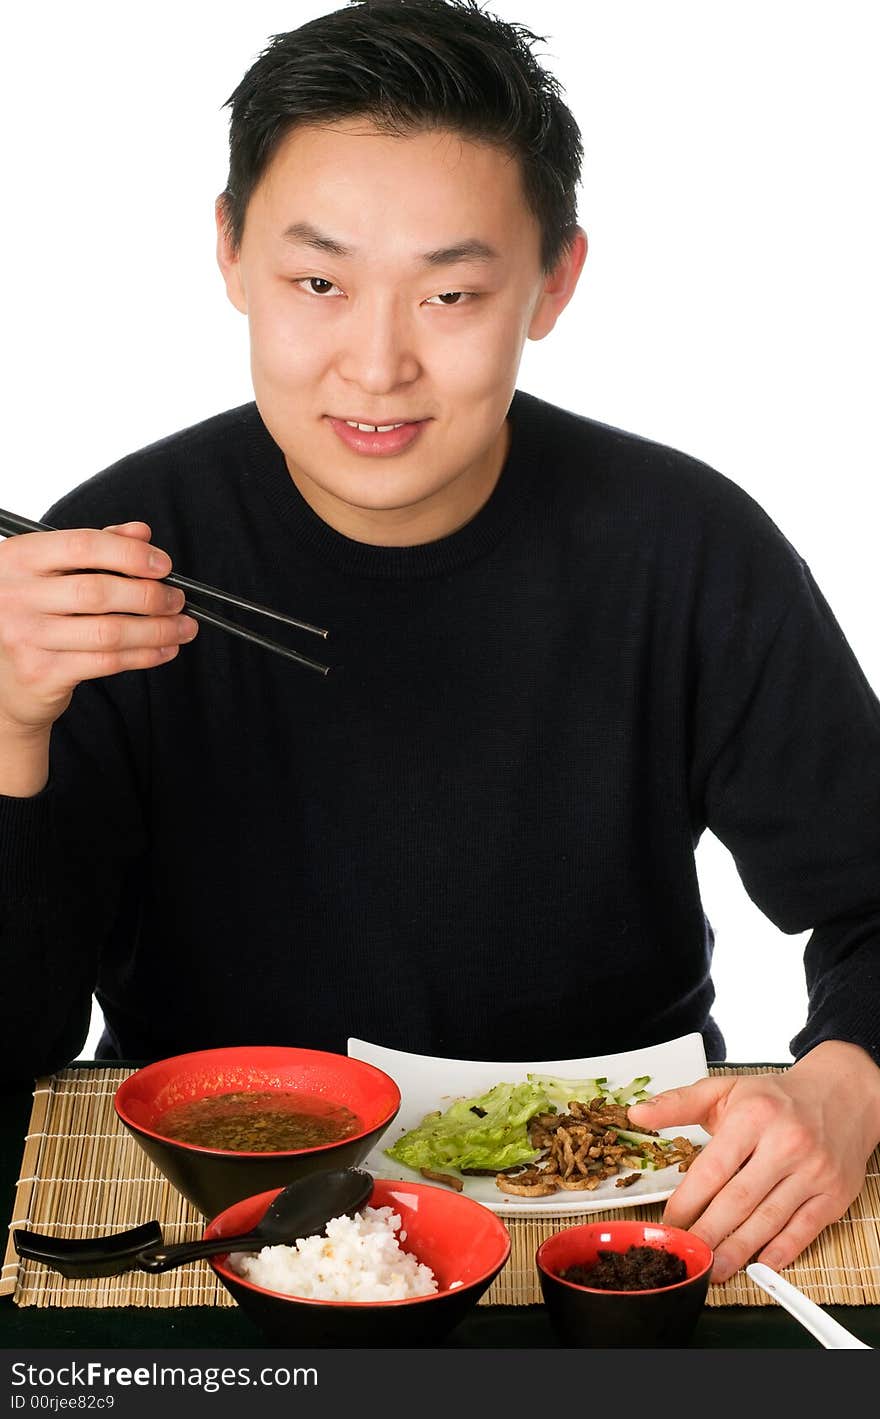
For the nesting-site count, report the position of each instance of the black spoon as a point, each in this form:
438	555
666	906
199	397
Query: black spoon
302	1209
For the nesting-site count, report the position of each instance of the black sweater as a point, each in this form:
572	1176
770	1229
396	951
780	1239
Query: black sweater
476	836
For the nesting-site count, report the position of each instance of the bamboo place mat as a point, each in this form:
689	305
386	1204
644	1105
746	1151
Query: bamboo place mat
83	1174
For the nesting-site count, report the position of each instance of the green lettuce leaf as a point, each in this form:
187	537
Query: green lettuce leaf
495	1137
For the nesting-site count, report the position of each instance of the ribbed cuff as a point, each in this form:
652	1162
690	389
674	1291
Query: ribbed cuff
860	1027
24	834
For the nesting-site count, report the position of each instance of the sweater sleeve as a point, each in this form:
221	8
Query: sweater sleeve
789	751
69	862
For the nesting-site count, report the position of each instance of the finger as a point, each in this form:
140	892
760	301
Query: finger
768	1223
739	1196
715	1168
111	634
91	594
75	667
803	1227
131	529
48	553
692	1103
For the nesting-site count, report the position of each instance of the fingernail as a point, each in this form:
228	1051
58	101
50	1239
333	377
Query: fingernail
722	1269
159	562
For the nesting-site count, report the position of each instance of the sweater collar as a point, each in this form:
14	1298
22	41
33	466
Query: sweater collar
265	467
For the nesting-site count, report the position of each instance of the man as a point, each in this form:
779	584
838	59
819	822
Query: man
558	653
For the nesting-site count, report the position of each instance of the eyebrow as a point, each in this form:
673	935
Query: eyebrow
469	249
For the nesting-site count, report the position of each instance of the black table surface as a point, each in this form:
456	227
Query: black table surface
214	1327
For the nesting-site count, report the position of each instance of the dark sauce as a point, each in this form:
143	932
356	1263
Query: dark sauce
636	1269
274	1121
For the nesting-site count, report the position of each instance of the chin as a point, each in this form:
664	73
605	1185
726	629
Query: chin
371	493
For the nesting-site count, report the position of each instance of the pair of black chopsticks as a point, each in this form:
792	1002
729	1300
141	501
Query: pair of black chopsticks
11	525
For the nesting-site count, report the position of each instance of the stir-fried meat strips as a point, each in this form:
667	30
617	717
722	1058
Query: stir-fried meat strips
599	1112
563	1142
528	1184
682	1152
449	1178
582	1148
581	1184
596	1117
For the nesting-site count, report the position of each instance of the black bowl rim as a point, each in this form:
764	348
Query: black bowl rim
551	1275
486	1276
202	1151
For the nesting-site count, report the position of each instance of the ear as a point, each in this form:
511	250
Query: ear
559	287
228	259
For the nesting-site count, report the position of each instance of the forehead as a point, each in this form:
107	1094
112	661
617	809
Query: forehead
372	190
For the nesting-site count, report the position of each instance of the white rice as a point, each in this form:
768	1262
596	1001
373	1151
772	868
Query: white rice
359	1259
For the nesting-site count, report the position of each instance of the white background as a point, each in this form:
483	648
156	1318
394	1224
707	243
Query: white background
729	306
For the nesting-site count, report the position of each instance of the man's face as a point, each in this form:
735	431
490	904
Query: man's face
349	320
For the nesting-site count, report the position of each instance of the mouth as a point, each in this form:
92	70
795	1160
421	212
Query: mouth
366	427
365	437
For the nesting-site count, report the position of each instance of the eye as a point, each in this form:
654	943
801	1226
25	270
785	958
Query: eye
317	281
452	298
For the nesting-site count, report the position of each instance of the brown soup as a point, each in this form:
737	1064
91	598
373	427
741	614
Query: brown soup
274	1121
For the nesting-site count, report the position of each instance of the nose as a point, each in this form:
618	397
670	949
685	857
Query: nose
379	347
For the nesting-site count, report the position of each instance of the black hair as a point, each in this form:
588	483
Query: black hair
408	66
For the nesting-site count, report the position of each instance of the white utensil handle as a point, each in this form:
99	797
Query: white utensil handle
812	1317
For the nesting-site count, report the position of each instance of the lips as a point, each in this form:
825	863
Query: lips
373	443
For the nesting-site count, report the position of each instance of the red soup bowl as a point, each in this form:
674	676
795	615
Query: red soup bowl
601	1318
213	1178
464	1244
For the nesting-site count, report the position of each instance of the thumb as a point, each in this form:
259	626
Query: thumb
692	1103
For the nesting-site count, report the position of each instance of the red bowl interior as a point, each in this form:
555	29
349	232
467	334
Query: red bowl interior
459	1239
370	1093
581	1246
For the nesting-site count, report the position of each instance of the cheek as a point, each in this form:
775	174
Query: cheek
280	347
476	357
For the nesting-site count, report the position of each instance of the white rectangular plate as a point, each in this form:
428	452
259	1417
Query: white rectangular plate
427	1083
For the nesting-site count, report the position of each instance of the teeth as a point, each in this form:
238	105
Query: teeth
373	428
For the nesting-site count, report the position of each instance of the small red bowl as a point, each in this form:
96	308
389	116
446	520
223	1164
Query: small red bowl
459	1239
213	1178
589	1316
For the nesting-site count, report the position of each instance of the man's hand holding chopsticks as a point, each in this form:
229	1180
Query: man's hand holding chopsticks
60	625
